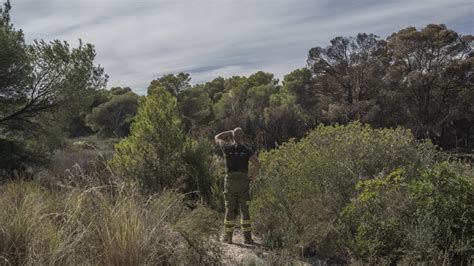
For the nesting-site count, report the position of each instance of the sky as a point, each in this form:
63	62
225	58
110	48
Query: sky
140	40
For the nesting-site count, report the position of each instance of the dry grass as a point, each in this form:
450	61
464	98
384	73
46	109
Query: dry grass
102	225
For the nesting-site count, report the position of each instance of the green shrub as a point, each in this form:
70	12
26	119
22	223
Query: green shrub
201	171
443	198
428	218
304	185
377	230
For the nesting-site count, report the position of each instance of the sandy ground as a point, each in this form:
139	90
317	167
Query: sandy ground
239	253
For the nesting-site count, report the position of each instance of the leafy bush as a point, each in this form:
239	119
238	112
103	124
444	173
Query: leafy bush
103	225
304	185
426	218
201	171
16	156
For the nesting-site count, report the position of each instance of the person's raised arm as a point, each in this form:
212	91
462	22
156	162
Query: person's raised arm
221	137
256	167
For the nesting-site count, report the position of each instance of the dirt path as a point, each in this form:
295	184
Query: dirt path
239	253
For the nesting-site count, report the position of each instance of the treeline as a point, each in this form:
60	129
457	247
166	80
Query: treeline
418	79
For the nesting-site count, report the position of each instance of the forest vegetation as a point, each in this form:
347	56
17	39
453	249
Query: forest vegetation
366	155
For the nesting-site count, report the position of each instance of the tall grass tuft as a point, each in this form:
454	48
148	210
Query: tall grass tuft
102	225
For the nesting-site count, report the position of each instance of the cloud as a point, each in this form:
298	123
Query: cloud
138	41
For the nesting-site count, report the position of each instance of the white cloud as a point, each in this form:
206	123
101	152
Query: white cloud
138	41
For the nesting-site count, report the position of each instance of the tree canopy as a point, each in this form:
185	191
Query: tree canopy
44	87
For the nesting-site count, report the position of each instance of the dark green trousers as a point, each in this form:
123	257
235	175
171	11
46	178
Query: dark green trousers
237	196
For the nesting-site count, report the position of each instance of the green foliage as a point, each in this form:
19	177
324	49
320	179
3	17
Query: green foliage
195	106
292	110
44	86
300	84
120	90
173	84
152	152
197	229
428	218
215	88
14	61
376	195
61	79
16	156
243	104
113	118
284	120
380	235
78	125
304	185
158	155
418	79
200	170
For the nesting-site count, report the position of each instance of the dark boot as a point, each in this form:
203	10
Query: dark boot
248	238
227	238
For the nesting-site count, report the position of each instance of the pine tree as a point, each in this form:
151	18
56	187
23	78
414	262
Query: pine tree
151	154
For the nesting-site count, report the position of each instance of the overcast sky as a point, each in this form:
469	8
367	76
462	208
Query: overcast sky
140	40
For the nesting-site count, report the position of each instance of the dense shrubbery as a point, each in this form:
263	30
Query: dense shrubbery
422	218
20	154
13	156
306	185
102	225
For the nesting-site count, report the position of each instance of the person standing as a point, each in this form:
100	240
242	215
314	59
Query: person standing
237	181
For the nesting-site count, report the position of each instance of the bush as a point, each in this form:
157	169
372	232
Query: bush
103	225
17	156
428	218
304	185
201	171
